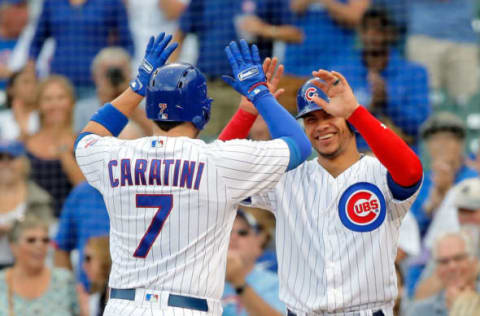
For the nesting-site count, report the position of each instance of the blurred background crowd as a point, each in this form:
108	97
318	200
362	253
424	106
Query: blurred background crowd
413	63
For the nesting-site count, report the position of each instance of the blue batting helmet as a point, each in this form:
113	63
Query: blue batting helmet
305	103
178	93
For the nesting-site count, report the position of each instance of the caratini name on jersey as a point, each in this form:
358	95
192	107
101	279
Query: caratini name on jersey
166	172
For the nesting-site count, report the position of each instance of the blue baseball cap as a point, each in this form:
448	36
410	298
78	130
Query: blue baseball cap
12	147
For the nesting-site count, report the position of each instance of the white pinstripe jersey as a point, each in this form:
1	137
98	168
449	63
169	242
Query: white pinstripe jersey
336	239
172	202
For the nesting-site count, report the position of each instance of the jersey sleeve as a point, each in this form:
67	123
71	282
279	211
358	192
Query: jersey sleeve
250	167
92	153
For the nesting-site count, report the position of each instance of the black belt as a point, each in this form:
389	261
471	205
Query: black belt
199	304
377	313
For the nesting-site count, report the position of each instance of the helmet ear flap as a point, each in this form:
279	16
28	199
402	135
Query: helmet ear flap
206	111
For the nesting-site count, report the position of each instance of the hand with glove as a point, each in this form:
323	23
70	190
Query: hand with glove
248	76
156	55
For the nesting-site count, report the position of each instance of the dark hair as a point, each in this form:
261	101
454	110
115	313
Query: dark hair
381	14
166	125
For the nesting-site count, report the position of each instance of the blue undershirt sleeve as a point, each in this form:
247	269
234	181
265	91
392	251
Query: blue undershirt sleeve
282	125
401	193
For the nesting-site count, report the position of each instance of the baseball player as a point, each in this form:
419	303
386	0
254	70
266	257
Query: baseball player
171	198
338	216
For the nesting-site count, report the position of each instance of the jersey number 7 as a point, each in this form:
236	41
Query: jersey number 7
164	203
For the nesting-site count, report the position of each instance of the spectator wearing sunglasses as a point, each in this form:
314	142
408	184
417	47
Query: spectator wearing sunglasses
97	264
18	195
30	287
249	288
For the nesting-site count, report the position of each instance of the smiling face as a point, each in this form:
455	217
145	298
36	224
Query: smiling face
30	250
55	104
329	135
455	266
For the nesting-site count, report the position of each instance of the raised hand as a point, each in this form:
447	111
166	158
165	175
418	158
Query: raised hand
249	78
342	102
156	55
273	78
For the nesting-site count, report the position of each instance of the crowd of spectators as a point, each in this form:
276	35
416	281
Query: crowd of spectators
60	60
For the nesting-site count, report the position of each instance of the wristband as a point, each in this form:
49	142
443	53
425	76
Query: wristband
111	118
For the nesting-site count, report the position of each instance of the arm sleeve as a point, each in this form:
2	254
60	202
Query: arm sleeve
239	126
282	125
401	162
249	167
42	31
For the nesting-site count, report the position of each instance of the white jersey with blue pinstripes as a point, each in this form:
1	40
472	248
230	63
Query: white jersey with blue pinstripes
172	202
336	238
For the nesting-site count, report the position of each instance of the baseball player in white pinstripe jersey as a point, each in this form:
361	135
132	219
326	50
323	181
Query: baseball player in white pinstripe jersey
338	216
171	198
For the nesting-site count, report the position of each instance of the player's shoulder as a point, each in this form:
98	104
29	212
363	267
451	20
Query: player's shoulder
247	145
371	161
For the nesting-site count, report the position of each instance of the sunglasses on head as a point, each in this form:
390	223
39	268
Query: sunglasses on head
32	240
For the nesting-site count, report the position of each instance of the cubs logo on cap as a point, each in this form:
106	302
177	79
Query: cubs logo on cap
310	93
362	207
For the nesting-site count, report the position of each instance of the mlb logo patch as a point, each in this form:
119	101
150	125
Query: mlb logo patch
362	207
157	143
154	298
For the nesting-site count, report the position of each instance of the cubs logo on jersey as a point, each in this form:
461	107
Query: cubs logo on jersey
362	207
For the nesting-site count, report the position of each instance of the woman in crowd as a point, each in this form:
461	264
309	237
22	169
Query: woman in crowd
50	150
19	196
21	118
30	287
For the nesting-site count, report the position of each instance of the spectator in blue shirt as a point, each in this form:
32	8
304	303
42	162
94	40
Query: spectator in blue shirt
329	33
84	215
81	29
216	23
249	289
441	37
392	88
266	24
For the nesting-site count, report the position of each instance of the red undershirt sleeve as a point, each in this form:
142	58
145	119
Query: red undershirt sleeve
239	126
401	162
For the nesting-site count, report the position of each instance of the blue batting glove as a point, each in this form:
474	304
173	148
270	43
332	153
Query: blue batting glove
156	55
249	79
